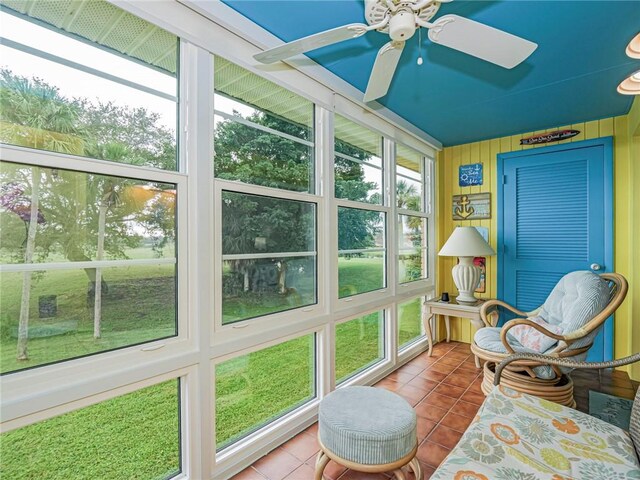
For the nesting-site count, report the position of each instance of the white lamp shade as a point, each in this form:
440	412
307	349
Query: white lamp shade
466	242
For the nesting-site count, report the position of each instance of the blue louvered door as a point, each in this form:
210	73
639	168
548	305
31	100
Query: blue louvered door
555	217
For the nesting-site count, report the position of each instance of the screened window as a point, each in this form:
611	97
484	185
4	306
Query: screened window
361	251
359	345
410	327
357	162
410	179
88	80
255	389
136	435
263	132
88	263
269	255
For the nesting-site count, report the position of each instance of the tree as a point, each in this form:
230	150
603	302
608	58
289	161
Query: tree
255	156
34	114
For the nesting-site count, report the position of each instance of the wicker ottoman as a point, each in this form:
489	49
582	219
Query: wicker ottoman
369	430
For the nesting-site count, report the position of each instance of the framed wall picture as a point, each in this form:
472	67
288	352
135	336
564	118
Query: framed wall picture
472	206
470	175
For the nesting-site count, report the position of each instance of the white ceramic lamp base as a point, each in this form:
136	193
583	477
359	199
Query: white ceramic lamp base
466	276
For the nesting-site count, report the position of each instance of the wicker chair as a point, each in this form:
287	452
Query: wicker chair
535	375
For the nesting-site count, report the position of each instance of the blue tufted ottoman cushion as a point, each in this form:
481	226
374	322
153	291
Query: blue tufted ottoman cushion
367	425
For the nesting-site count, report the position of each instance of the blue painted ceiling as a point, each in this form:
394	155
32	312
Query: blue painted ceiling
571	77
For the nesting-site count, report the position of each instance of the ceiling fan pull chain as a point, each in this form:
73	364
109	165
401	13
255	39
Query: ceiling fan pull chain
419	46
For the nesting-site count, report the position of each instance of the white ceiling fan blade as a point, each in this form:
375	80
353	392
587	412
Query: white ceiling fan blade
481	41
383	70
312	42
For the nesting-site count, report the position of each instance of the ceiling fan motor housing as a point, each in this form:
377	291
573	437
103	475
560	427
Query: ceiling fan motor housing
402	25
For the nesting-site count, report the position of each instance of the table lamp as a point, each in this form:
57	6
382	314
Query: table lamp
466	243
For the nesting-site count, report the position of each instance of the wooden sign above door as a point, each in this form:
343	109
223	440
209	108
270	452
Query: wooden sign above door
556	136
473	206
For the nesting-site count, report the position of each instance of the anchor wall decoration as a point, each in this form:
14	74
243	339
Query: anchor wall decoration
472	206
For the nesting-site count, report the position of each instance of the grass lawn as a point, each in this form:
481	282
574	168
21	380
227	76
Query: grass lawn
138	307
135	436
251	390
359	344
360	275
409	321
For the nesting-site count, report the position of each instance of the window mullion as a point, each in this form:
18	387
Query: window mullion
197	156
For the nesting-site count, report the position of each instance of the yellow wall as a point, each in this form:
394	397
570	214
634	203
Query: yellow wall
626	132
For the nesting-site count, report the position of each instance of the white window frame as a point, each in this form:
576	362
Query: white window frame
427	166
258	325
182	375
262	439
364	299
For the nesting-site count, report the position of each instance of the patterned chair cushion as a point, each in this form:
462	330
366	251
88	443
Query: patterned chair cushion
520	437
488	338
367	425
534	339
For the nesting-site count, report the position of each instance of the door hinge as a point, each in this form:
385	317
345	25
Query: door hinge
504	179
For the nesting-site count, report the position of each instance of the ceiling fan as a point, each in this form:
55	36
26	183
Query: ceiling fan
400	19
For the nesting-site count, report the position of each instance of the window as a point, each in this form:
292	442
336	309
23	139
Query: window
410	327
88	263
361	250
268	253
254	389
413	201
362	212
359	345
136	435
263	132
112	99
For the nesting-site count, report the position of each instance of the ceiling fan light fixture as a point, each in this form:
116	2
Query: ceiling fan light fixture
402	25
630	85
633	49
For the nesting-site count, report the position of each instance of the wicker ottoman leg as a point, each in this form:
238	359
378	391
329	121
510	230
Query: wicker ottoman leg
321	463
398	474
416	468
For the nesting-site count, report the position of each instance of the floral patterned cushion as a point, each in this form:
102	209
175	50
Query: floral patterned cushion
535	340
520	437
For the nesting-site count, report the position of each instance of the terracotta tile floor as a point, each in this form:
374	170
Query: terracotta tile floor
445	391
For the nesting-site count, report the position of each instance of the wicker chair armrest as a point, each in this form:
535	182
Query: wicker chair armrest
562	362
492	304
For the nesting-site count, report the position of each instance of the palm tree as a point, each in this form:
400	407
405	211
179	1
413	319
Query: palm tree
406	196
34	114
